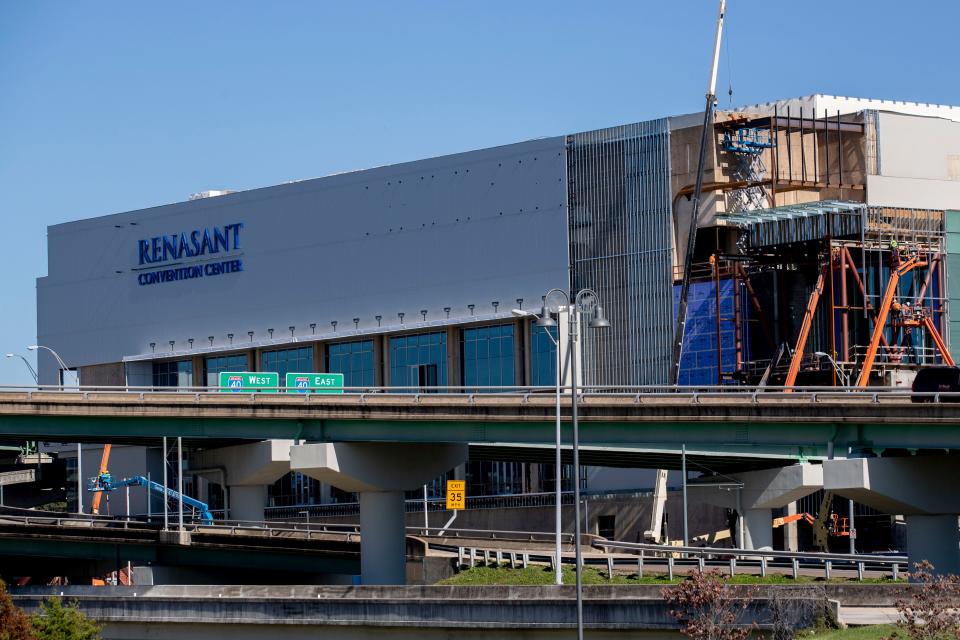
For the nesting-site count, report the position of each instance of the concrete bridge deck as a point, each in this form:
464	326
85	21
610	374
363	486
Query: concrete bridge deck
38	546
800	423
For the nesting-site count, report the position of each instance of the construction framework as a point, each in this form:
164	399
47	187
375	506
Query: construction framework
811	285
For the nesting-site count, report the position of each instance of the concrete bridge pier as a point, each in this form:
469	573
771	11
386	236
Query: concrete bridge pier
762	492
380	472
921	488
247	470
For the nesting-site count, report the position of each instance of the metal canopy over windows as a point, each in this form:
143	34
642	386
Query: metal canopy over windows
797	223
621	245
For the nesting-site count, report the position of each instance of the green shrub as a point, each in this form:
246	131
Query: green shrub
56	621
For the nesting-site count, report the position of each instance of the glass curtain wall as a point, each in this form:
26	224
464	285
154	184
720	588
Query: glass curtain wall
354	360
488	356
419	360
213	365
284	361
543	356
176	373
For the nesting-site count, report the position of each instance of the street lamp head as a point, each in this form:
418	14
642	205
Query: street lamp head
10	355
599	320
545	319
33	347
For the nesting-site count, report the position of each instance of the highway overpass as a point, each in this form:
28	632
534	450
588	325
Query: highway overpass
380	443
799	425
82	548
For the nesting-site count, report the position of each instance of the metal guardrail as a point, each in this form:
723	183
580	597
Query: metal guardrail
672	558
492	534
235	527
341	509
276	527
691	394
827	561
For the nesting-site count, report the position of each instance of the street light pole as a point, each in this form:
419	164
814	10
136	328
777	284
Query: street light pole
60	362
578	559
545	320
585	300
33	372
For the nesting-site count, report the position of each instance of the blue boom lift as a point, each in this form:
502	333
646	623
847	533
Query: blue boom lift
104	483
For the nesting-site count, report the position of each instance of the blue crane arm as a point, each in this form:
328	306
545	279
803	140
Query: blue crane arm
156	487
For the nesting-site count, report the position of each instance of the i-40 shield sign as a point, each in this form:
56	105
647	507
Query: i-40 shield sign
314	383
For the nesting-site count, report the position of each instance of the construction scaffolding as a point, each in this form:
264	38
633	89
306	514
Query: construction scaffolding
855	294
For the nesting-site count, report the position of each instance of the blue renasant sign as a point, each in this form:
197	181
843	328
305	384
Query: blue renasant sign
167	252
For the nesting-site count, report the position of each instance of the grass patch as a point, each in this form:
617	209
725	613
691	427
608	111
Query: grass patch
543	575
871	632
537	575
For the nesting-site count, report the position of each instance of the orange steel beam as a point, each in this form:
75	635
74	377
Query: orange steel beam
938	340
805	327
882	313
104	459
863	291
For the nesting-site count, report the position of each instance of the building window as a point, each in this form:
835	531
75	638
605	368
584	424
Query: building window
607	527
284	361
418	360
213	365
354	360
176	373
543	356
488	478
294	490
488	356
71	484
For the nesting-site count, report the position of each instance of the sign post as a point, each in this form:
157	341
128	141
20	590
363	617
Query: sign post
456	494
246	381
314	383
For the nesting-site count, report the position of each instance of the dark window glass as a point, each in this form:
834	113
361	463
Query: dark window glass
176	373
354	360
213	365
284	361
419	360
294	489
543	356
488	356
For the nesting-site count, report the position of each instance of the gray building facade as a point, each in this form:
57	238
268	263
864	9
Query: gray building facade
413	248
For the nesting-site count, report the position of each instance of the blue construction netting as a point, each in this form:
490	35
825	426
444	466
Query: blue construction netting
698	364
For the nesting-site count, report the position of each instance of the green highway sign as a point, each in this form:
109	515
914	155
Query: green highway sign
315	382
237	381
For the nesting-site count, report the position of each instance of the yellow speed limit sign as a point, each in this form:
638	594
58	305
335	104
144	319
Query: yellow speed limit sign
456	494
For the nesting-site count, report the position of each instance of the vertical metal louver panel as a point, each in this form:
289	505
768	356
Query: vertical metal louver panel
621	239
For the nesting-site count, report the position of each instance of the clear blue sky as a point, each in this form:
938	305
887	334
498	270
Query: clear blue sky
112	106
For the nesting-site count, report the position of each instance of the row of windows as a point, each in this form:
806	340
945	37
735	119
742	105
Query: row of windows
173	374
488	359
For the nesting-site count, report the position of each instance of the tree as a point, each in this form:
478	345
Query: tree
55	621
707	609
14	623
930	612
